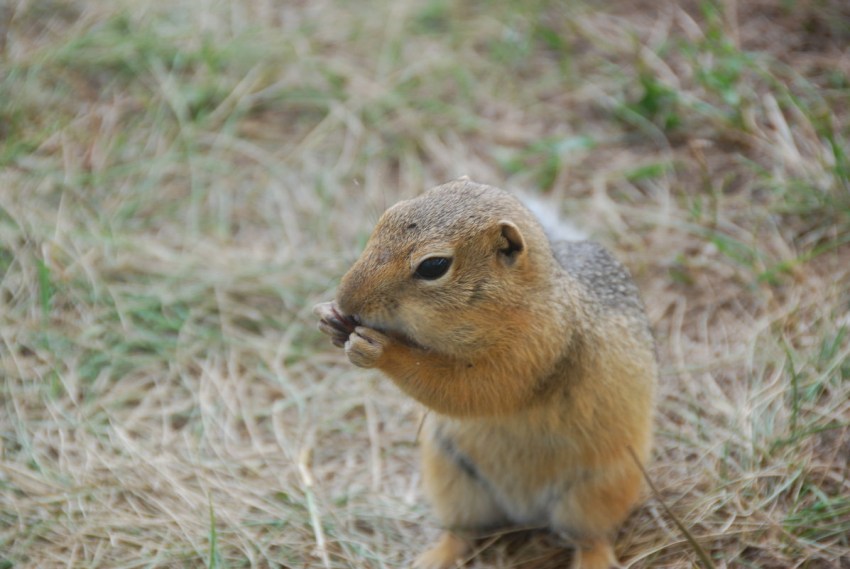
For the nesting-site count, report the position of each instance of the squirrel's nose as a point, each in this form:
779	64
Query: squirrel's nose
361	286
347	298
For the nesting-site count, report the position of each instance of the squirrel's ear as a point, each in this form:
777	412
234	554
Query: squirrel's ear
511	242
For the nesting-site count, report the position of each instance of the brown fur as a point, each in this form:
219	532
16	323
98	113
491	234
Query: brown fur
536	359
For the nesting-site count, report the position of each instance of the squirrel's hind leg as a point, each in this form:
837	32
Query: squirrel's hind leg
592	510
461	500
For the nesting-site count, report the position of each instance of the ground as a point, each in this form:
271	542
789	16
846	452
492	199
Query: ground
181	181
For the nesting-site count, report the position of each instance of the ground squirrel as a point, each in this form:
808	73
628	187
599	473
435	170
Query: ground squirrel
535	358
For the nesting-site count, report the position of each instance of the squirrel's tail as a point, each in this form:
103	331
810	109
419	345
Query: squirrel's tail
546	212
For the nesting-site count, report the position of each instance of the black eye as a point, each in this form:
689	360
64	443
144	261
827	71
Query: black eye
433	268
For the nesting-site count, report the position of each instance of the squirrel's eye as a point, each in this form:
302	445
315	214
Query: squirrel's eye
433	268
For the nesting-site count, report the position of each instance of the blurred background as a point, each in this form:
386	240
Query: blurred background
181	181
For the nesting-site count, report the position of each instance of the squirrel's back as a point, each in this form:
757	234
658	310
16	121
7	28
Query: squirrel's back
605	281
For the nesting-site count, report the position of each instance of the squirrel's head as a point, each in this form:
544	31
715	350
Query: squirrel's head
443	270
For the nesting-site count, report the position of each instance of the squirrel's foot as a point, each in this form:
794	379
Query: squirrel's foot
365	346
596	555
447	553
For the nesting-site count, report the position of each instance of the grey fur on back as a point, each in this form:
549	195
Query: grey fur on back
603	277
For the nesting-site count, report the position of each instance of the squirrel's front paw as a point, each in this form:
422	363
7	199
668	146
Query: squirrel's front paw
333	323
365	346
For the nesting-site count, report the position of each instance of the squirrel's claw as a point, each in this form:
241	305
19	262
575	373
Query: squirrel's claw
334	332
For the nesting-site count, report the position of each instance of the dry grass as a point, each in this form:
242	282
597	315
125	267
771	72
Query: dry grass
181	181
